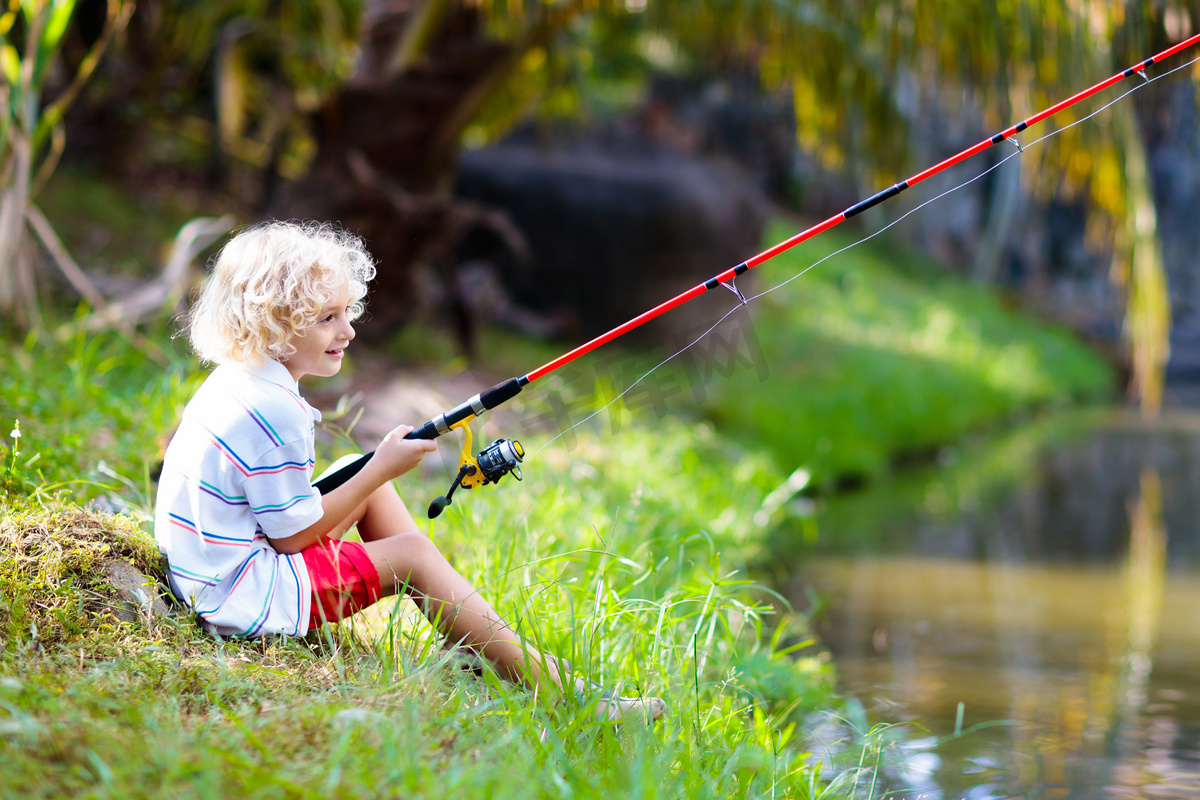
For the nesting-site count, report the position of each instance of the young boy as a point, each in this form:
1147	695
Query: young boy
253	547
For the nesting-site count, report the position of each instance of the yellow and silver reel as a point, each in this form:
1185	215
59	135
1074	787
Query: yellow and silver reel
490	465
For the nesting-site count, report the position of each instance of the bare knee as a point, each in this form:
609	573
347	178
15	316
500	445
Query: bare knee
384	515
384	493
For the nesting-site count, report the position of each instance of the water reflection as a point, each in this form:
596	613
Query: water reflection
1061	596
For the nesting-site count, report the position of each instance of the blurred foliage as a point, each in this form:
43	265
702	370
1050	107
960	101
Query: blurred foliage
858	73
31	130
234	75
875	356
863	76
239	79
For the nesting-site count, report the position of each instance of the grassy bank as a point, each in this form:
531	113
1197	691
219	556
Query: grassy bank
636	575
873	358
624	550
876	355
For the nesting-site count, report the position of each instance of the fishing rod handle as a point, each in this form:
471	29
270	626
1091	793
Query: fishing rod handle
433	428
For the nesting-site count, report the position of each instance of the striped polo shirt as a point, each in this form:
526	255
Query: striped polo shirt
238	473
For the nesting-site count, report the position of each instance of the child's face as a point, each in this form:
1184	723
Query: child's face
319	349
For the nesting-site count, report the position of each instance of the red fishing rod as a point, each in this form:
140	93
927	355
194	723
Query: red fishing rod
503	456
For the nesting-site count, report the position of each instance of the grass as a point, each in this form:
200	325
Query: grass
625	550
94	413
871	359
875	355
969	479
637	577
373	708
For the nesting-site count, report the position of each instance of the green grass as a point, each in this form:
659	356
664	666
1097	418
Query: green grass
870	359
969	479
875	354
95	413
625	550
626	556
88	706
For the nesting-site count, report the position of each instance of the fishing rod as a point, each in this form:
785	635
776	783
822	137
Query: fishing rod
504	456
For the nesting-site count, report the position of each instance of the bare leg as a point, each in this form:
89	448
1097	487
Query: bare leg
407	560
411	562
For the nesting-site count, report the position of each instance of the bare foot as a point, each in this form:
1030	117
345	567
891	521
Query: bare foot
615	708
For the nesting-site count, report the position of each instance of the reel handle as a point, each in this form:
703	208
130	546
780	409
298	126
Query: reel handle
438	506
439	503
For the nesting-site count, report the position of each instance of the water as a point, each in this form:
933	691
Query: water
1048	581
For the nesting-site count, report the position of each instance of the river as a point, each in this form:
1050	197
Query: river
1026	613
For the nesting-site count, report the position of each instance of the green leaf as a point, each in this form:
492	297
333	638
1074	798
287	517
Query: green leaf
56	26
51	119
54	15
7	19
10	62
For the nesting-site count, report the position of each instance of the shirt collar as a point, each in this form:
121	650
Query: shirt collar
274	372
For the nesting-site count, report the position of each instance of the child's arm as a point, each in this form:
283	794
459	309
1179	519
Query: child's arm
394	457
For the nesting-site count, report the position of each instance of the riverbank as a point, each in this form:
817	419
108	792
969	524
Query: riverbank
625	549
877	357
626	555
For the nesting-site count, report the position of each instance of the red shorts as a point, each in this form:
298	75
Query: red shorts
343	580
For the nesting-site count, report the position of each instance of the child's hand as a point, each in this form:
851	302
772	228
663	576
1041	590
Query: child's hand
400	455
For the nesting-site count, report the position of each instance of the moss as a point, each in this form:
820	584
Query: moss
51	573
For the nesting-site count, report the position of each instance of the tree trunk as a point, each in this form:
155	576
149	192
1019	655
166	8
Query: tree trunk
388	144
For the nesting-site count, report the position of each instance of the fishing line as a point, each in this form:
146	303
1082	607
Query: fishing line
745	301
997	165
682	350
546	585
503	456
752	298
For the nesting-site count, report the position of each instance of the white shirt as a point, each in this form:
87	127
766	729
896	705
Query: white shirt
237	472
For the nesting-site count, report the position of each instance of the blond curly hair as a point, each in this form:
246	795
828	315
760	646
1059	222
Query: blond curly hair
268	285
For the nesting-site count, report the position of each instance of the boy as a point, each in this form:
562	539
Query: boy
253	547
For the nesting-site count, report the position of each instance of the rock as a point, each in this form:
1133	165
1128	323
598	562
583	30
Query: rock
138	596
612	234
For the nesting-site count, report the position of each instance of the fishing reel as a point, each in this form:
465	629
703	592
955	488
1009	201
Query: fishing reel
491	464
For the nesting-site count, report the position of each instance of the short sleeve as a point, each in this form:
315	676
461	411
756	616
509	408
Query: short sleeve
279	492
